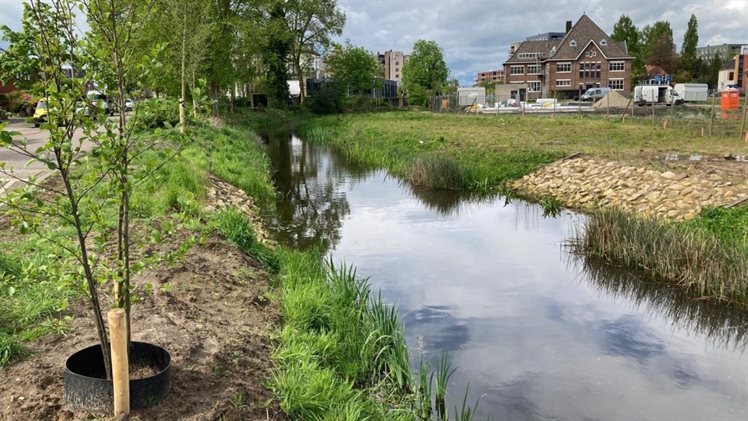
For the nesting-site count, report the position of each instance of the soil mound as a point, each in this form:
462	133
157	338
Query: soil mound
612	99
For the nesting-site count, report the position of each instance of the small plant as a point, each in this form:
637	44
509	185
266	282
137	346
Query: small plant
443	374
551	207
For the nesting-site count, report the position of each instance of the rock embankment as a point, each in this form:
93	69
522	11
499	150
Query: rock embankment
589	183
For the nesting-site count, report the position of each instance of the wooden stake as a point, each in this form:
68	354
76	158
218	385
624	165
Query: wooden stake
702	132
711	124
120	365
745	115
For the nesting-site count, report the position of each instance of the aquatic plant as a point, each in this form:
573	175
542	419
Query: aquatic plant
688	257
436	172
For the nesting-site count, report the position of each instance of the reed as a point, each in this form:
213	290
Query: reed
436	172
688	257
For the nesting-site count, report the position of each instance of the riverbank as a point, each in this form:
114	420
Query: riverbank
292	335
672	174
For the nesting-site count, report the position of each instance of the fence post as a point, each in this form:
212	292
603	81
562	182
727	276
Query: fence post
745	114
711	123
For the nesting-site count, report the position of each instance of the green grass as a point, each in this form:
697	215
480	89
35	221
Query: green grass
234	226
729	225
491	149
692	258
339	346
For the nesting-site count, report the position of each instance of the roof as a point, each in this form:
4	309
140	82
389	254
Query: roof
653	69
543	48
584	31
729	65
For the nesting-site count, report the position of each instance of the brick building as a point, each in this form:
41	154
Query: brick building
490	76
586	57
393	62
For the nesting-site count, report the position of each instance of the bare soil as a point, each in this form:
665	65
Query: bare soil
212	310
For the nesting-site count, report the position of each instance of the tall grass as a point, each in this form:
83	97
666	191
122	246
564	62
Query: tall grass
339	346
237	229
691	258
436	172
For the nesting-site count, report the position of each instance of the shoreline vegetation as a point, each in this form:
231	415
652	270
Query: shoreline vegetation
340	352
707	255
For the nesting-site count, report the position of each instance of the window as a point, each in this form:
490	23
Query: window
533	86
616	66
563	82
527	55
603	42
517	82
517	70
616	84
573	43
533	69
563	67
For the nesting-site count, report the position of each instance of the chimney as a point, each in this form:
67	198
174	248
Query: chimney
568	26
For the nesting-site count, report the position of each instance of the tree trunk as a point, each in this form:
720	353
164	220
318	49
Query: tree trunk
184	59
300	75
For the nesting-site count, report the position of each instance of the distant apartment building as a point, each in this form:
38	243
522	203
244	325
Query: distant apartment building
393	62
726	51
490	76
734	73
546	36
585	57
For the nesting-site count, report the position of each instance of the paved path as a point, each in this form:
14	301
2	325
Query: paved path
35	138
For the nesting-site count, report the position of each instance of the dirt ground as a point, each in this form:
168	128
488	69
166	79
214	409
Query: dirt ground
212	310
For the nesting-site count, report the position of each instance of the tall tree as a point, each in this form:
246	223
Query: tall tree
688	62
625	31
660	49
356	68
311	24
425	73
275	55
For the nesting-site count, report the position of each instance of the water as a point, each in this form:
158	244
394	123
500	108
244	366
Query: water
537	334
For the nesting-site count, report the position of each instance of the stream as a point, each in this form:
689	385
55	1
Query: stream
538	334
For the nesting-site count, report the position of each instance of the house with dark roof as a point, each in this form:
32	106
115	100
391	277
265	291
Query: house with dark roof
585	57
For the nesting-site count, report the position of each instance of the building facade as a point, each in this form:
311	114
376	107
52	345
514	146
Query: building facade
585	57
726	51
393	62
490	76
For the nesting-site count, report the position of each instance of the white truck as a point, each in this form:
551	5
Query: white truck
654	94
691	92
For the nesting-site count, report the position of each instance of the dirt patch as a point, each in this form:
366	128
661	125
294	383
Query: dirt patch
210	311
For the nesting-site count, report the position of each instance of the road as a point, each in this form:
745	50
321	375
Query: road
35	138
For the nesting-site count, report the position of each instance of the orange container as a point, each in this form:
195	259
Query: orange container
730	99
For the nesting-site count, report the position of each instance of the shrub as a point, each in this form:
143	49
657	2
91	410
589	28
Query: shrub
327	100
156	113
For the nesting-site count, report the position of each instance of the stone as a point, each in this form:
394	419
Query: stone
668	174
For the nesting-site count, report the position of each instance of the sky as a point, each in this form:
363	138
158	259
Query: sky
475	34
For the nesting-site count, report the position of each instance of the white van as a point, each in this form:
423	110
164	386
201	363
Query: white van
593	94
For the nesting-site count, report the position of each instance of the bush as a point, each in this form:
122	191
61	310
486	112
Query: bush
156	113
327	100
3	115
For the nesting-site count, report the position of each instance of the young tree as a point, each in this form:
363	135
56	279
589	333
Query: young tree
688	62
425	73
311	23
18	63
354	67
625	31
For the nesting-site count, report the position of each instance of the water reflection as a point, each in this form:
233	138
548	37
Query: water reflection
722	324
538	335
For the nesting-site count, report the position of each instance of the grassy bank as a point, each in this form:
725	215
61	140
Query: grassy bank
491	149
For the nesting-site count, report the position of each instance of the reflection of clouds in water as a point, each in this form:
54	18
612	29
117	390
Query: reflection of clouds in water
629	337
723	324
515	400
439	329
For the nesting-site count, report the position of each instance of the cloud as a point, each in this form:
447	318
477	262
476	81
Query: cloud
475	34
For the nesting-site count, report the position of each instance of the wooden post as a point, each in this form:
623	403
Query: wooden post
745	114
120	365
653	114
711	123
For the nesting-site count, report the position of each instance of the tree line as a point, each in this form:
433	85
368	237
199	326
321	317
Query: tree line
653	44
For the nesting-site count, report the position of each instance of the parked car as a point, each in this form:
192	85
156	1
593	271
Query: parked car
593	94
129	104
41	113
97	102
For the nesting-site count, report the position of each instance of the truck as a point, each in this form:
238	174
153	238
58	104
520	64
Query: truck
691	92
654	94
